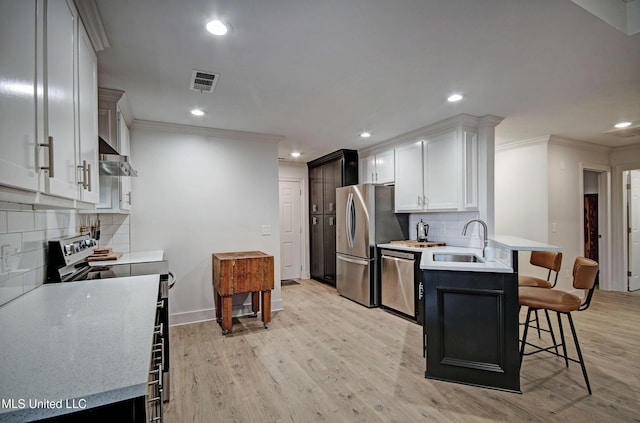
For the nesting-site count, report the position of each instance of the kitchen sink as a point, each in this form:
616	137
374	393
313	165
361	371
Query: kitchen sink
457	257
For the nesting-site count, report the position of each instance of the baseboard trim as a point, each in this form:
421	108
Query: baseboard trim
197	316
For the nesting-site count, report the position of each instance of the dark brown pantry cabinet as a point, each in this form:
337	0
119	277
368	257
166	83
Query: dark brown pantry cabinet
327	173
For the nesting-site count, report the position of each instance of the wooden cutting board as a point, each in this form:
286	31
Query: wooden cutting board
418	244
111	255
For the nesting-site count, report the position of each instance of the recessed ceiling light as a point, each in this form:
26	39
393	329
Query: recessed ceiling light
218	27
365	134
295	154
622	125
454	97
198	112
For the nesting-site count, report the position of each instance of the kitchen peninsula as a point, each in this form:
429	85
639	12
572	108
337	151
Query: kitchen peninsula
471	312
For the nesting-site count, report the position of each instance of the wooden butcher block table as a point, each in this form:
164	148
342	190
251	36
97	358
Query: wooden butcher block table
241	273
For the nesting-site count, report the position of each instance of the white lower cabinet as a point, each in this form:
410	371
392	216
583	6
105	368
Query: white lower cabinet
437	173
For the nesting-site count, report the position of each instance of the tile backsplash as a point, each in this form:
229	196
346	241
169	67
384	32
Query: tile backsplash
447	227
24	234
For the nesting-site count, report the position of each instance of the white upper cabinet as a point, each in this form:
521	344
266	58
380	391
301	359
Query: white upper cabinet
437	173
367	170
125	149
115	191
385	167
409	188
48	92
60	104
441	159
18	138
87	119
378	168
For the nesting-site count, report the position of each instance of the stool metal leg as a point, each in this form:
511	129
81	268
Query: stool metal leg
553	336
564	344
538	323
575	339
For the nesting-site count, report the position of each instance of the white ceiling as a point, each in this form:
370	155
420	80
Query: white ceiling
320	72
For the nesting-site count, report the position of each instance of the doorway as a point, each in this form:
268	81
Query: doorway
591	217
595	231
632	178
290	229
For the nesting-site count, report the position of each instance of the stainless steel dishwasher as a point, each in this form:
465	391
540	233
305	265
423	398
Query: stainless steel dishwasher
398	282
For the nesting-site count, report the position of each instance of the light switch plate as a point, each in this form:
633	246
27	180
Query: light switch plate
266	230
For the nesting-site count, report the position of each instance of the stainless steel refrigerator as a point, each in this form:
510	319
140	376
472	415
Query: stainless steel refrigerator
365	217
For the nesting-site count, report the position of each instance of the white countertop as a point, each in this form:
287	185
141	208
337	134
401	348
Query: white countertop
427	263
135	257
77	341
521	244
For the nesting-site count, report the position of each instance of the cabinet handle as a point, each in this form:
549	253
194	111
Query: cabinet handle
425	201
50	147
83	172
89	177
129	197
419	200
373	179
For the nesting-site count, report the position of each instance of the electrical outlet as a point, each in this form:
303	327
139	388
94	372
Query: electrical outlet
266	230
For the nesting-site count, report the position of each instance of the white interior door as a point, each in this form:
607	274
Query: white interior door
290	229
634	233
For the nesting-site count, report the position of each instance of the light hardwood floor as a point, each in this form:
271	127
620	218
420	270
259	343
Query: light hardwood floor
327	359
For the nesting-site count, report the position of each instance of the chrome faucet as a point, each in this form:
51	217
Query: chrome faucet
484	226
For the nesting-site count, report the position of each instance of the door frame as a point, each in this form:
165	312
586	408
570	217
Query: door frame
604	220
625	224
304	220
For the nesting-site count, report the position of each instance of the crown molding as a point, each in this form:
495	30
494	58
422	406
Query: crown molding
90	16
433	129
207	132
583	145
517	144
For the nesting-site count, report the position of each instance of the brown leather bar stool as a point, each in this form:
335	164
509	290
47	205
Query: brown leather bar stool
563	303
552	261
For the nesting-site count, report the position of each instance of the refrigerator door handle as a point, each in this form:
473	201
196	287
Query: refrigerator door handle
354	261
350	220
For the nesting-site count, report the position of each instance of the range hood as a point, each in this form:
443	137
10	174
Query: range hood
112	163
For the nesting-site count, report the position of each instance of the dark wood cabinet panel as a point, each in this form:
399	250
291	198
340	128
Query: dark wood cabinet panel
327	173
471	328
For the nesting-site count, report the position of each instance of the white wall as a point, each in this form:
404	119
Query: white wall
567	160
201	192
539	186
521	195
521	190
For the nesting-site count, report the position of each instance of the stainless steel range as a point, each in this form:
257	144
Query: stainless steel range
67	261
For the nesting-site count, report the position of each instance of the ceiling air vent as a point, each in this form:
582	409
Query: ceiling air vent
629	132
203	81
